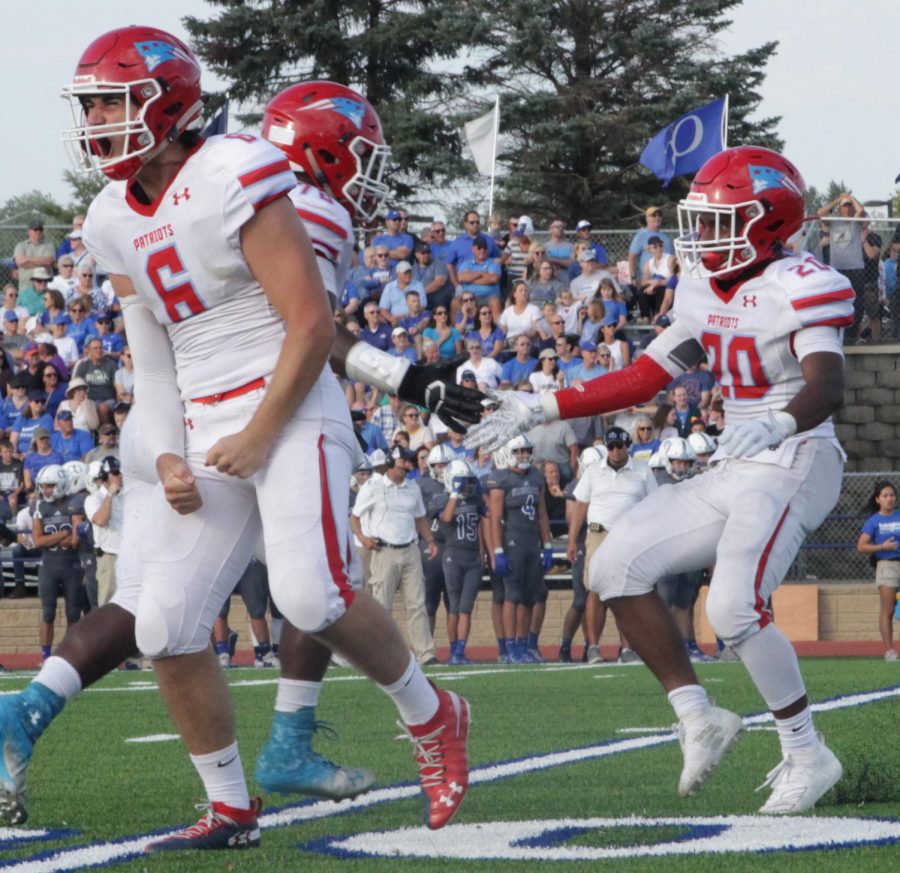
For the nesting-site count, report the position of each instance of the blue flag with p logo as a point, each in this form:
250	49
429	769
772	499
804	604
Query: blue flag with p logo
686	144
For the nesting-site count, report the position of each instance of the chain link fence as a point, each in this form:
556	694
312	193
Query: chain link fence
829	553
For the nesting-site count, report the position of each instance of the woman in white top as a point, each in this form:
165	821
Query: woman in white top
548	377
620	351
658	269
521	316
83	409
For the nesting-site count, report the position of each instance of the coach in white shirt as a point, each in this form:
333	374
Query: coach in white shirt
104	510
603	495
394	513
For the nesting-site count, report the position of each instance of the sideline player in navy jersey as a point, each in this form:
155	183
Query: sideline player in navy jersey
55	530
770	324
138	90
461	511
519	525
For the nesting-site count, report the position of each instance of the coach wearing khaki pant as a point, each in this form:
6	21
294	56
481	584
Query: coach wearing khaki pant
605	492
104	510
394	512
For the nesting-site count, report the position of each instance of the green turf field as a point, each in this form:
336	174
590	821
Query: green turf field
572	767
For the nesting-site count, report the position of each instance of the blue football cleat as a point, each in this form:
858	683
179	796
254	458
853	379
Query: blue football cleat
289	765
23	718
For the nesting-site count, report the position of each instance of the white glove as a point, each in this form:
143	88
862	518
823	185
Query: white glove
748	438
519	411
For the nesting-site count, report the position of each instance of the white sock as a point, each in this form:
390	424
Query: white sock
253	638
413	694
293	694
60	677
772	663
689	701
797	734
223	777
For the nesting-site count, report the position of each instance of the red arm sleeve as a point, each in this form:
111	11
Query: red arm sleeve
617	390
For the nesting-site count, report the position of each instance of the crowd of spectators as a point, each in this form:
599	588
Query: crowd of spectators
66	377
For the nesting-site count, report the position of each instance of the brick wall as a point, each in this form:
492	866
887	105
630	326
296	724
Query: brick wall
869	424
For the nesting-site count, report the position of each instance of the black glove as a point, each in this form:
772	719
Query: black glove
434	387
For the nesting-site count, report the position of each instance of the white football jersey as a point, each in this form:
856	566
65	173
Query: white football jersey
183	254
749	336
330	232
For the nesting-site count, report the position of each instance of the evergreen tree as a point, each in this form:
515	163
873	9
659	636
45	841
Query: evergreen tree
386	50
584	84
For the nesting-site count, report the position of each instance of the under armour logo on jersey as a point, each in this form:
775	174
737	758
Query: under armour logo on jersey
350	109
764	178
749	301
156	52
184	195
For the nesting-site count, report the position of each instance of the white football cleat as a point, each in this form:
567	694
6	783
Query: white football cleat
704	739
797	784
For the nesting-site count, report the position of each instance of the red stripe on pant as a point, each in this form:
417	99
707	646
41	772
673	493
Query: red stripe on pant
329	530
765	615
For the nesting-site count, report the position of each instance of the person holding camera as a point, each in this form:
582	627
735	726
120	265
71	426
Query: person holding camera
394	512
104	510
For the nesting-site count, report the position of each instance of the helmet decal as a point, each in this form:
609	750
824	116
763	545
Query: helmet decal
352	110
764	178
156	52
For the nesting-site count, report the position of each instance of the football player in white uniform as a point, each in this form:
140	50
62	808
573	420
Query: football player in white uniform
230	330
771	326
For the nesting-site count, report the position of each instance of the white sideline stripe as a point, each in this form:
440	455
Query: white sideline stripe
154	738
106	853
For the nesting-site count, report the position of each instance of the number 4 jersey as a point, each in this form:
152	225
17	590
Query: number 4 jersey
755	337
183	254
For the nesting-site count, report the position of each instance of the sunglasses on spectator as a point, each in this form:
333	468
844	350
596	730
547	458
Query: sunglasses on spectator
466	299
645	427
440	311
51	375
484	312
381	254
438	230
603	354
615	445
476	221
410	414
42	281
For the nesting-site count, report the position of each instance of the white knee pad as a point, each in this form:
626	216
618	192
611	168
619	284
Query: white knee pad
621	567
732	618
165	625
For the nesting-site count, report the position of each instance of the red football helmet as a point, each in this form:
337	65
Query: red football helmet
158	78
333	136
743	206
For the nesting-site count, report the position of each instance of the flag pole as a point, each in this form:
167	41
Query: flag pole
494	155
725	125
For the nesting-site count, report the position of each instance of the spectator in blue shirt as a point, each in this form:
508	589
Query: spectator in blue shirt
40	455
583	232
480	275
638	253
891	287
370	434
113	343
393	299
448	339
374	330
519	368
440	247
82	323
401	347
32	418
416	318
433	276
399	244
71	443
616	313
17	401
461	247
558	250
588	368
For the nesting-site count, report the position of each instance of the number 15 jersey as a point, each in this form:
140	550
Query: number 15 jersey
183	254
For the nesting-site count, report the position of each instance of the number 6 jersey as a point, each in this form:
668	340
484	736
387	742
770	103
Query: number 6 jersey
183	254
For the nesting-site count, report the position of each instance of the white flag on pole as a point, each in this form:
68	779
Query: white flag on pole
481	133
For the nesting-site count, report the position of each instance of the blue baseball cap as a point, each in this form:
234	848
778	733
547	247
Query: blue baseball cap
587	346
393	215
10	315
62	318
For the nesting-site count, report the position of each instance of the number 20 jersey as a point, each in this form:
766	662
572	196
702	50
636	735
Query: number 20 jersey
749	337
183	254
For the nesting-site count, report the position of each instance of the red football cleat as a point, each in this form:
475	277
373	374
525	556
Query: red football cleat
222	827
440	752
